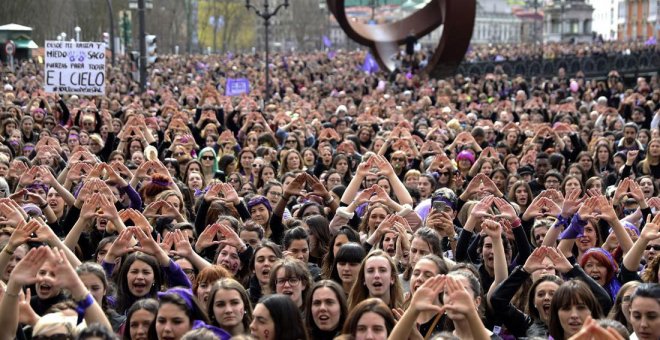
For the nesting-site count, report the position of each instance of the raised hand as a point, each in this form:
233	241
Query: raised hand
605	210
21	235
591	330
549	207
181	244
506	210
651	229
213	193
229	193
207	237
148	245
457	298
483	208
364	168
588	209
571	204
153	209
122	245
11	213
230	236
535	260
492	229
559	260
384	166
426	296
316	186
139	221
296	186
25	272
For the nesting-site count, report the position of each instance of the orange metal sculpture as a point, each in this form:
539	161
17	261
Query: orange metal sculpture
456	17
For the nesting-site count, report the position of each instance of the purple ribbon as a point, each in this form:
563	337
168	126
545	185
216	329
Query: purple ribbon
575	229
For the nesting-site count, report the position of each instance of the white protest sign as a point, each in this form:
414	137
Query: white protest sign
75	68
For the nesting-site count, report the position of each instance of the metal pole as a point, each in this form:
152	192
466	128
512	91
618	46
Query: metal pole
266	29
143	47
112	32
266	15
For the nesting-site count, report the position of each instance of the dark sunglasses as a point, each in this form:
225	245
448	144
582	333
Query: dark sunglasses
208	158
655	247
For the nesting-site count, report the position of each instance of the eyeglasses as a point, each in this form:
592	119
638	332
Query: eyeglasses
257	165
447	173
292	141
276	194
293	281
655	247
53	337
207	158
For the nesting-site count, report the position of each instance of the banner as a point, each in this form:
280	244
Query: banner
75	68
237	86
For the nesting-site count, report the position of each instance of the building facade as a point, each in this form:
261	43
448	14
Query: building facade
568	20
496	23
638	20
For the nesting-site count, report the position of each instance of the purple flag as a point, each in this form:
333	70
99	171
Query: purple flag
237	86
326	41
370	65
651	41
331	54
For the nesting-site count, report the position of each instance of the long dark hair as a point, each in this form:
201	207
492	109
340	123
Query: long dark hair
373	305
150	305
316	333
329	258
193	311
124	296
230	284
286	317
570	293
349	252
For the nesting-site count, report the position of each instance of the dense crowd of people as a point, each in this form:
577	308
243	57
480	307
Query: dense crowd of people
553	50
350	205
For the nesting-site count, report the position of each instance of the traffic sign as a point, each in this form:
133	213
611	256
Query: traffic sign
10	47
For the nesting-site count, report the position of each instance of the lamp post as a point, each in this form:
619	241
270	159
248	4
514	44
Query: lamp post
265	14
63	35
112	32
77	29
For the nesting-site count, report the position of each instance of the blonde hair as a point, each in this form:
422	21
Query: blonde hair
49	322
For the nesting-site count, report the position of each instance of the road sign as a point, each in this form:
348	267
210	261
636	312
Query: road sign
10	47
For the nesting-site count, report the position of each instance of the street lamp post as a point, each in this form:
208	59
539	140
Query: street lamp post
112	32
266	15
77	29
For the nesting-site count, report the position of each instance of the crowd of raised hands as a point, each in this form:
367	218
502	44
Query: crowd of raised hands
351	205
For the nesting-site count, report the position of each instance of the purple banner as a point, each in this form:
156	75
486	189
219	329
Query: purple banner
237	86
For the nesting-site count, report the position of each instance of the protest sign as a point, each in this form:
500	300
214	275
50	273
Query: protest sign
237	86
75	68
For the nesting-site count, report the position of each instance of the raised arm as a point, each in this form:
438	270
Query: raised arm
501	270
398	188
354	186
650	232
